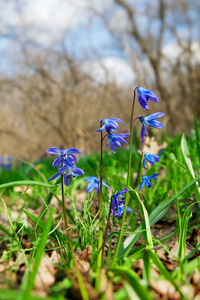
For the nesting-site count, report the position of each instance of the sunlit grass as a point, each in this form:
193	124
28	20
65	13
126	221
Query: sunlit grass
175	189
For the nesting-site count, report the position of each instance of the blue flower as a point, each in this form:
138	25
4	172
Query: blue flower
118	199
146	180
7	166
151	121
115	140
68	172
151	158
110	125
144	95
95	184
65	157
119	212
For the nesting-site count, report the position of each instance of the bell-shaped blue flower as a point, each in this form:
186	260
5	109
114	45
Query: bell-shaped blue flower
110	125
144	95
68	172
151	158
151	121
118	199
115	140
146	180
95	184
119	212
65	157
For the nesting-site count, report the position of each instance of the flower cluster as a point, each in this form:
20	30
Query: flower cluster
117	203
114	139
143	96
67	162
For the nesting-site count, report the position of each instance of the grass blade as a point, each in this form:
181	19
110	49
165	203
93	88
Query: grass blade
146	223
197	137
155	215
38	256
164	271
183	232
55	233
26	182
133	279
186	155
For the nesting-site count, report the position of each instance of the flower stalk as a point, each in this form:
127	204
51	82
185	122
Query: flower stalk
99	256
138	174
83	290
106	231
128	182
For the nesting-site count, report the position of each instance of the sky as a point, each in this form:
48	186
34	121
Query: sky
44	23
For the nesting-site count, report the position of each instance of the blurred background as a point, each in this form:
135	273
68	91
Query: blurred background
65	65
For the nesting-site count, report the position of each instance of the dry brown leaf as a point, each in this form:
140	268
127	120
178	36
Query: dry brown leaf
24	189
161	253
197	297
165	288
188	290
84	258
2	268
154	147
196	277
86	254
46	271
92	293
83	265
106	286
174	249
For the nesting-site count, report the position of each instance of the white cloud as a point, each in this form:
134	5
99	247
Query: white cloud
110	69
173	51
42	21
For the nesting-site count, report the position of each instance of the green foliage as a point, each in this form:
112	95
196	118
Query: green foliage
178	185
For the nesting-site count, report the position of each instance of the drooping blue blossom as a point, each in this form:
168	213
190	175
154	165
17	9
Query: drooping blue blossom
119	212
68	172
115	140
95	184
146	180
151	158
65	157
151	121
117	203
144	95
118	199
110	125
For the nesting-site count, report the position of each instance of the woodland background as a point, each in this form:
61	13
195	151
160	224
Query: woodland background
54	89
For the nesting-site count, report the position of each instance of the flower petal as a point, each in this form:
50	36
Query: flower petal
67	180
91	186
143	134
57	161
155	115
54	150
78	171
73	150
55	176
103	183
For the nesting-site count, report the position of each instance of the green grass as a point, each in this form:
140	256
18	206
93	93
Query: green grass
177	189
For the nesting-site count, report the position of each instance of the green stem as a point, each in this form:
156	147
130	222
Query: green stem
99	257
136	181
128	183
83	290
106	231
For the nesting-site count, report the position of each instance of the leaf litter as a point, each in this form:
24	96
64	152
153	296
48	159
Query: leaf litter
50	269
